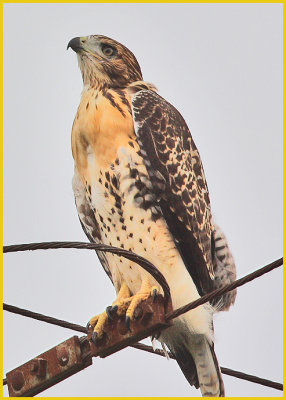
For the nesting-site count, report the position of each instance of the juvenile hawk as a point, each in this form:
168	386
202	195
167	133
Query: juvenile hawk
139	184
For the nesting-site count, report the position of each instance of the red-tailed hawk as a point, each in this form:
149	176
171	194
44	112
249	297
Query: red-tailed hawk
139	184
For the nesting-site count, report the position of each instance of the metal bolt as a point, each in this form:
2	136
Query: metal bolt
85	349
147	315
39	367
121	327
34	367
17	380
63	356
138	313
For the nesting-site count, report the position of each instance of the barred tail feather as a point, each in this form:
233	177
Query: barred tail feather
198	362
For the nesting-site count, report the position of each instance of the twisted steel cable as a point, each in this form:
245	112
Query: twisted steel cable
226	371
44	318
149	267
224	289
145	264
204	299
161	280
139	346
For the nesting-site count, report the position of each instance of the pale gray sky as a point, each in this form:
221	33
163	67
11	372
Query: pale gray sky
221	66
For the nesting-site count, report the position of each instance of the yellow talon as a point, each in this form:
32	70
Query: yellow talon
125	304
93	320
136	300
123	299
120	305
98	322
145	291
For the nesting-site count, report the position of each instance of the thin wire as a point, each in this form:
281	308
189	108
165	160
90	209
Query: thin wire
224	289
252	378
148	267
43	318
226	371
145	264
174	314
140	346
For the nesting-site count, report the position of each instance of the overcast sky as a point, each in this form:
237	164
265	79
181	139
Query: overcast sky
221	66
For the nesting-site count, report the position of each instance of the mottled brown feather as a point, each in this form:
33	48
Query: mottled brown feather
164	137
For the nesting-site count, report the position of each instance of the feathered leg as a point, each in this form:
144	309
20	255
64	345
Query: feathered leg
196	358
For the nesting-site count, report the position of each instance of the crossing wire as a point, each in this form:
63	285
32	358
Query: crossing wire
148	267
157	275
139	346
145	264
224	289
226	371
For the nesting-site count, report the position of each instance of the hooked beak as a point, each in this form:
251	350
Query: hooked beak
77	44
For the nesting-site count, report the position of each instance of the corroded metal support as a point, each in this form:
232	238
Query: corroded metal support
149	320
49	368
76	353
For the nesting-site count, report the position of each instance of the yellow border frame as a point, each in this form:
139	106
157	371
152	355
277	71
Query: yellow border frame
1	141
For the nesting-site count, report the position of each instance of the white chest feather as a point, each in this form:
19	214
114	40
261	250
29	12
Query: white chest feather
128	216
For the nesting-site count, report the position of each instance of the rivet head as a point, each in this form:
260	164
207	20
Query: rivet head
63	356
34	367
121	327
138	313
17	380
147	315
39	367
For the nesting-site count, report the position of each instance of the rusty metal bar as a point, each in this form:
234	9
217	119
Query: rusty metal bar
151	322
149	318
49	368
76	353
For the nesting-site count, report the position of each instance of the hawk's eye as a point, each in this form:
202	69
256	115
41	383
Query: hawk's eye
108	50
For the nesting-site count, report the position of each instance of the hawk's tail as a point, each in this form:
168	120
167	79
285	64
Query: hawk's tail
199	364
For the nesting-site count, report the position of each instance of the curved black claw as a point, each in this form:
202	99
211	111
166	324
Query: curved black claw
154	295
110	311
94	337
107	310
114	309
88	326
127	322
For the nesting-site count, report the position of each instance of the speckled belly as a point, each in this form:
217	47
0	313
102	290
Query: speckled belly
129	217
117	207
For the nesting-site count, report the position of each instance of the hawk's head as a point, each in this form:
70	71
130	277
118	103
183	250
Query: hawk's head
103	61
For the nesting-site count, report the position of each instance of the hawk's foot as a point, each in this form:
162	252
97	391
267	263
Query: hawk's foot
98	323
119	306
145	292
123	305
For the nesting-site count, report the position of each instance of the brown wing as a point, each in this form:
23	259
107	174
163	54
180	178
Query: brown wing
170	155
